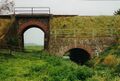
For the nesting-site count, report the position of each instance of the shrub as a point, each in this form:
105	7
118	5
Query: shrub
117	70
96	78
93	62
111	60
84	72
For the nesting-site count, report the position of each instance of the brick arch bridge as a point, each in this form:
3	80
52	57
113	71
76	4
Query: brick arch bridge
33	23
60	37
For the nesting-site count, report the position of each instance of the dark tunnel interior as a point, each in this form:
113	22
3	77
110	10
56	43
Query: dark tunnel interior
79	56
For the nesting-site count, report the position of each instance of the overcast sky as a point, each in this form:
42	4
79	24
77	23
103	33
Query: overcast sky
79	7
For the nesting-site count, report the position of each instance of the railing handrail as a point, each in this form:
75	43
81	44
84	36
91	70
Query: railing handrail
32	10
32	7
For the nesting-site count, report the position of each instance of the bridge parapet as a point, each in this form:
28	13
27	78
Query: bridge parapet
32	10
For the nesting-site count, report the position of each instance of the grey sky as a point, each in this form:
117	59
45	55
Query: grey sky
79	7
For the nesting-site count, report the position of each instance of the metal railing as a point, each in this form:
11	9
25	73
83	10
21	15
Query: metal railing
32	10
76	33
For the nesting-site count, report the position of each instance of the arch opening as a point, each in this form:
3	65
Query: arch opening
33	39
78	55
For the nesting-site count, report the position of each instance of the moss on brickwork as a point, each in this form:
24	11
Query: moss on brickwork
4	26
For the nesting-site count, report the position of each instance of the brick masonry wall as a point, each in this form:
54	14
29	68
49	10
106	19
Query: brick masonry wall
64	33
93	34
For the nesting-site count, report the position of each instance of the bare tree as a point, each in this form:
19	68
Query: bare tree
7	7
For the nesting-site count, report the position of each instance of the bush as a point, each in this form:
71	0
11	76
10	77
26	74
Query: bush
96	78
117	70
84	72
93	62
111	60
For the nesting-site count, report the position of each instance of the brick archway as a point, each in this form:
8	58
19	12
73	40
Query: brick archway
32	23
78	54
29	24
86	48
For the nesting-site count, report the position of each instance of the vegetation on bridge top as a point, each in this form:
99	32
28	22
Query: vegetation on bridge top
76	26
85	25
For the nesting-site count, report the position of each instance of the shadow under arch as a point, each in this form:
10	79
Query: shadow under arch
78	55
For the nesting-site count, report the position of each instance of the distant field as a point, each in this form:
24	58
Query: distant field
33	48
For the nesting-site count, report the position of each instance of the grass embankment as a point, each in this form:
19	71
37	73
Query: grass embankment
41	66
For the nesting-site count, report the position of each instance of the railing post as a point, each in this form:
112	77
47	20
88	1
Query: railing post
32	10
49	10
14	11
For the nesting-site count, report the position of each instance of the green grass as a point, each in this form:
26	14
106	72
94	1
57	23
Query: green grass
41	66
34	48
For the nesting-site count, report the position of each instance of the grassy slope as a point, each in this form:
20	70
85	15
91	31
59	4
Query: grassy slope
36	67
40	66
